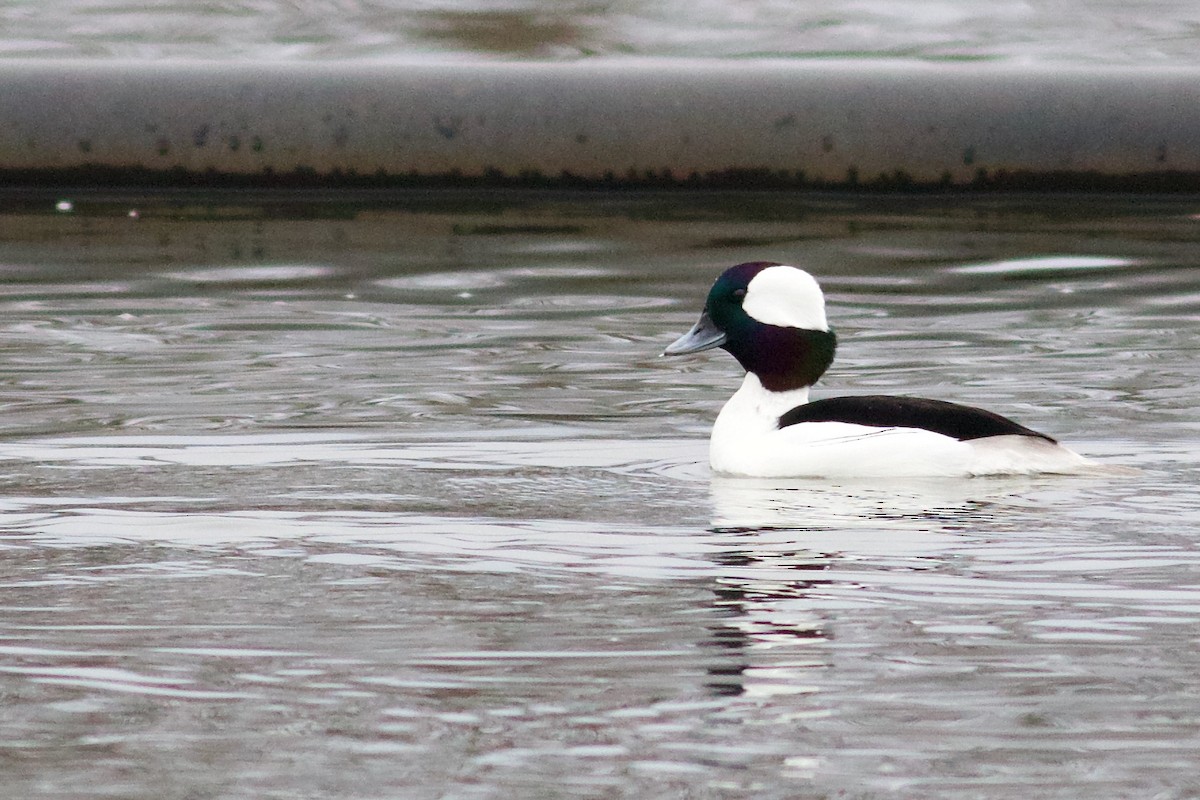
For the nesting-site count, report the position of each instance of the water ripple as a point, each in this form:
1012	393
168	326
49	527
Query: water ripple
1076	31
349	519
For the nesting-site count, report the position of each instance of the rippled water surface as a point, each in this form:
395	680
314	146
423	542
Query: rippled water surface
395	499
1062	31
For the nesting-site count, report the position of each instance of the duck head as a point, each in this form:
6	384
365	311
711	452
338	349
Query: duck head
771	318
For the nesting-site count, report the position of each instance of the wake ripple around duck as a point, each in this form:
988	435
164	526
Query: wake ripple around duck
541	503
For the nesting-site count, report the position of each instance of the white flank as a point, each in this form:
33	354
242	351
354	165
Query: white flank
746	440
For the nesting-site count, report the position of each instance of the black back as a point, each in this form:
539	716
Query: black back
884	411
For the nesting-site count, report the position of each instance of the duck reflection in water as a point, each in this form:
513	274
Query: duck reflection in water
788	540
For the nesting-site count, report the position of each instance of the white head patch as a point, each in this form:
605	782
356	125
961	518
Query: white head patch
788	297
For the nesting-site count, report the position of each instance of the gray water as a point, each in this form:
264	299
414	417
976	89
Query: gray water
1147	32
396	499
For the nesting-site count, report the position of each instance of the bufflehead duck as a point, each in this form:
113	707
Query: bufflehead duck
771	318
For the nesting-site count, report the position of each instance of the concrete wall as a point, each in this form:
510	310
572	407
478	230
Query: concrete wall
607	122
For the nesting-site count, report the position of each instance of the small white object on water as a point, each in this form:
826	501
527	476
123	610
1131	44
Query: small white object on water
64	206
133	213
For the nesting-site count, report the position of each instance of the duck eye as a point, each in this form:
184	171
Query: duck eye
739	293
